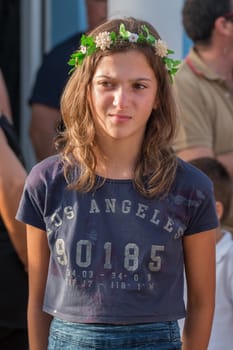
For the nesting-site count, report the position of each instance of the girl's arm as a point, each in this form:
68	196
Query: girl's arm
38	261
199	255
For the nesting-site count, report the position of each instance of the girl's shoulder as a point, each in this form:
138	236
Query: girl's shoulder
188	174
48	170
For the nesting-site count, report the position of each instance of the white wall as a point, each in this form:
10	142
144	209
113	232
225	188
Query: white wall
165	15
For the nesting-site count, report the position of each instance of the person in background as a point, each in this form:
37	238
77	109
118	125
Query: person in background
204	85
221	333
49	84
112	218
13	246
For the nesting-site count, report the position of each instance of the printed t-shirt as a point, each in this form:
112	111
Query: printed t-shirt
116	257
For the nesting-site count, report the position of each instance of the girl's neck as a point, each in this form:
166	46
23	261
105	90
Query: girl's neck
113	170
117	159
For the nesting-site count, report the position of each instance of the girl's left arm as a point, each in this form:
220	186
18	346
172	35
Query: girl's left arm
38	262
199	256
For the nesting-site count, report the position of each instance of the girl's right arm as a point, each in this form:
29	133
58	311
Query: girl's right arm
38	262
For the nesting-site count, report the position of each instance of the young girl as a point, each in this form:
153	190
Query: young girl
112	218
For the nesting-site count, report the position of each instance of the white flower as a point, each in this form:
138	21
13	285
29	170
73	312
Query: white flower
83	49
161	48
103	40
133	37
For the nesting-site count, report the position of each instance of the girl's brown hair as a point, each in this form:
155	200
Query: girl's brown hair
156	165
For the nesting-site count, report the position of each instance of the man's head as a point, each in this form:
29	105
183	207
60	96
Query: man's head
96	12
199	17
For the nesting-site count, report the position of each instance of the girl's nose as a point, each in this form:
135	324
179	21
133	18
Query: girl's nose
120	98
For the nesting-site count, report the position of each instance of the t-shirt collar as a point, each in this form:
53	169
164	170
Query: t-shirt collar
199	67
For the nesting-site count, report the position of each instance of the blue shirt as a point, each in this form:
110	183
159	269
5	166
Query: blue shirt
116	256
53	73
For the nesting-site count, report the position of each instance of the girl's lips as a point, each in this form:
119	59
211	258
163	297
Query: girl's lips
120	117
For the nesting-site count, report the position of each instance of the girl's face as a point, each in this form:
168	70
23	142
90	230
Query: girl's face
123	94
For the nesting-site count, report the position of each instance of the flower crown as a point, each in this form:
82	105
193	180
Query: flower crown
106	40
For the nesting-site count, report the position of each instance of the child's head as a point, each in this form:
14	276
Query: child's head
222	182
120	36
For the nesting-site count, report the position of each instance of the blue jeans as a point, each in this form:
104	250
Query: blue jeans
152	336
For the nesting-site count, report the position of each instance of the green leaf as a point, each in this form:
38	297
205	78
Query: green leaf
113	36
146	30
71	62
170	52
141	37
123	32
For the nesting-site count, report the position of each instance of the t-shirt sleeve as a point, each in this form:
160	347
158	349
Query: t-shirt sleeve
204	215
195	195
30	210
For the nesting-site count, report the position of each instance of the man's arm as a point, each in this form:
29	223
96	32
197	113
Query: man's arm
42	130
197	152
12	178
4	98
190	153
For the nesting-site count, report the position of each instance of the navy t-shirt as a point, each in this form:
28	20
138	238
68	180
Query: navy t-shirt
116	256
54	73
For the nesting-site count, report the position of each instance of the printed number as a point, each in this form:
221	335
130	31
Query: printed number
155	265
108	253
83	253
60	250
131	257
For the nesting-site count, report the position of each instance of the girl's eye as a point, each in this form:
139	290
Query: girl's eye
139	86
106	84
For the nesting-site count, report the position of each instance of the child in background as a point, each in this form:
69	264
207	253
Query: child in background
221	334
111	217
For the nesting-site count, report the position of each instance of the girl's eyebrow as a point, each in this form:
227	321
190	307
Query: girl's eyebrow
134	79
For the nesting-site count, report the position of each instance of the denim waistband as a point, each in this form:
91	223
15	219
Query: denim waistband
159	335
